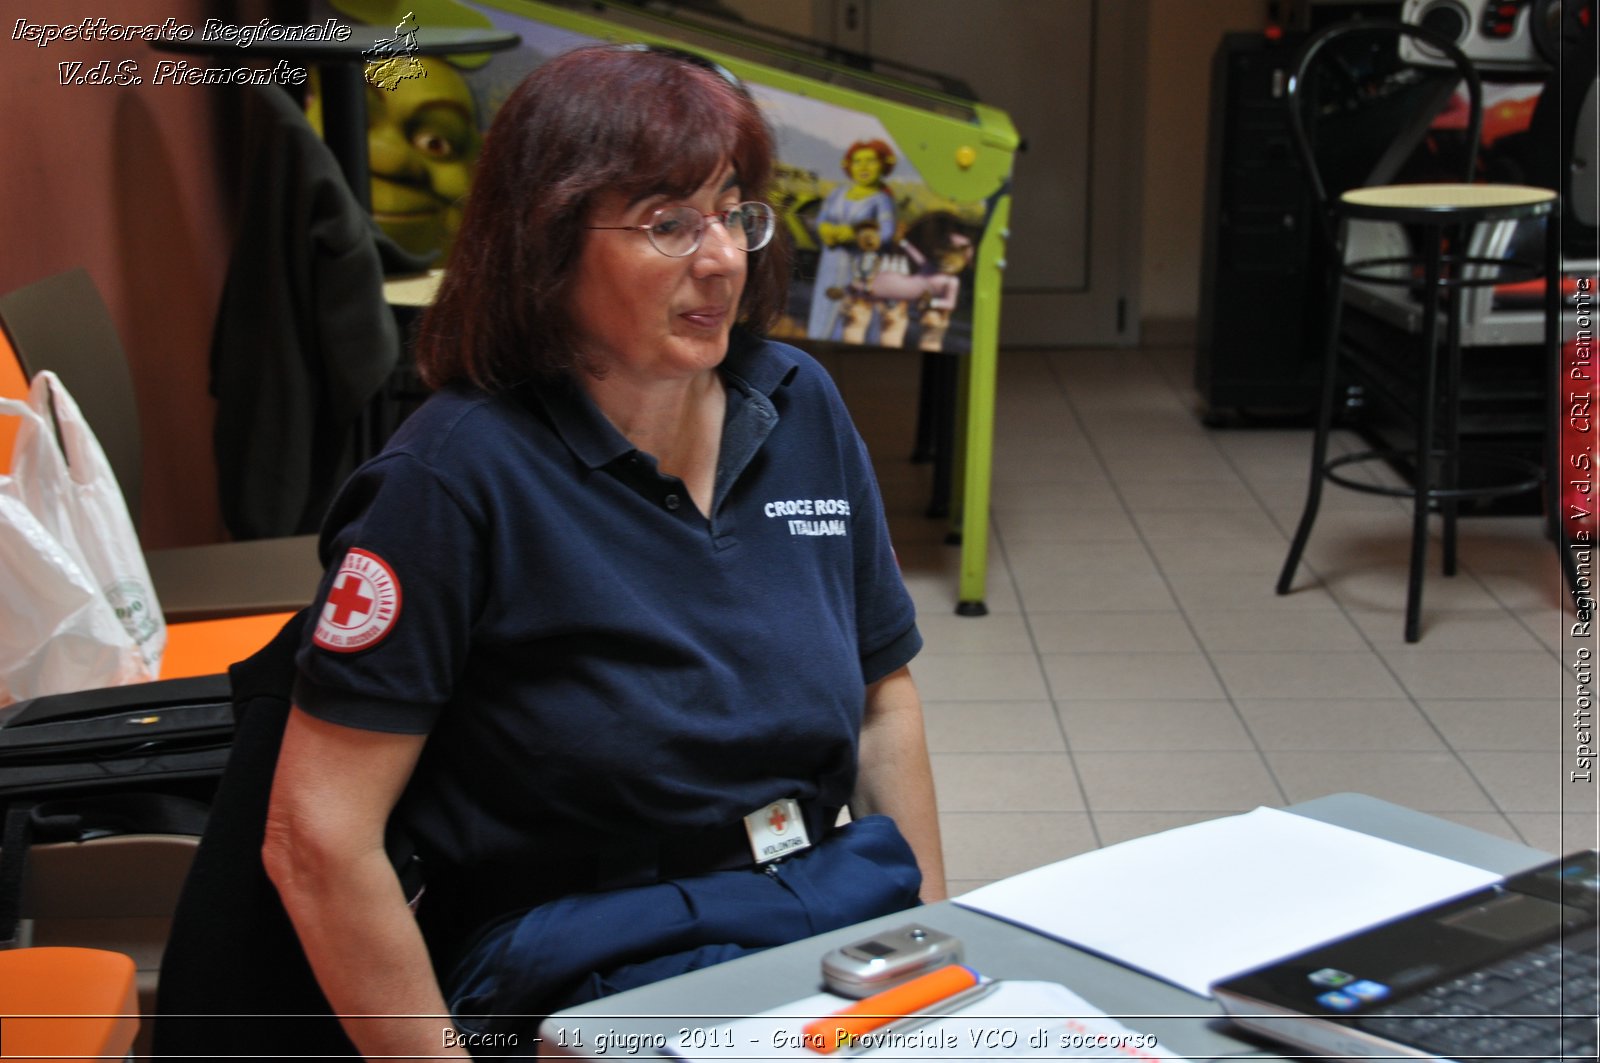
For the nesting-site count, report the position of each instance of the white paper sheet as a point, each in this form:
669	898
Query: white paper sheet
1019	1020
1200	903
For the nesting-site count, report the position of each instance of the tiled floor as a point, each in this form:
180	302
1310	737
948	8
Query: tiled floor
1136	670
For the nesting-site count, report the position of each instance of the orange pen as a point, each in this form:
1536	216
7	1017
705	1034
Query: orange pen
833	1032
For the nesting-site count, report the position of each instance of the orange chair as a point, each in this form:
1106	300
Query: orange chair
206	647
67	1004
13	385
112	894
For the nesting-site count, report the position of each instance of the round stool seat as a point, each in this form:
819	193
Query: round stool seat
1449	203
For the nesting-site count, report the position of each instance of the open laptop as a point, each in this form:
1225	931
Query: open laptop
1508	971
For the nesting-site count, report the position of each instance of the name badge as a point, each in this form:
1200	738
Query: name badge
776	831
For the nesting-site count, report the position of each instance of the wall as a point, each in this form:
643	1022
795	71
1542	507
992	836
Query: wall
124	181
1183	36
802	20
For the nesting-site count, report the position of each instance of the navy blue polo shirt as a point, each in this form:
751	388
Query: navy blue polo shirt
594	660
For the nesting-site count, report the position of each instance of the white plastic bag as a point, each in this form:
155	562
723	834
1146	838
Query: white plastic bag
77	609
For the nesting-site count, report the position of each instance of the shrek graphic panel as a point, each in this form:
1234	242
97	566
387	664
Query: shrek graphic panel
882	257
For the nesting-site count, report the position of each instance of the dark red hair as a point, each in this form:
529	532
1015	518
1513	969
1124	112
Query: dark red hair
883	151
603	119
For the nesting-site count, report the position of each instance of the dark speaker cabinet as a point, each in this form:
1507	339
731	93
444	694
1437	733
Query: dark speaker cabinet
1258	345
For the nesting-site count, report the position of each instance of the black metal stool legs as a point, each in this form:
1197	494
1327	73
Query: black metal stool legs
1432	220
1450	470
1427	408
1432	480
1319	445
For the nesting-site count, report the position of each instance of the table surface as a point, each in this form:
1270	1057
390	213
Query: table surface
1183	1023
220	580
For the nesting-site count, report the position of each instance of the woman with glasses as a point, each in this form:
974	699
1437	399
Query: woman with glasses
612	629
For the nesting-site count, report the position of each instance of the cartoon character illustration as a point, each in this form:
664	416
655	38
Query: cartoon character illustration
857	304
867	162
943	277
422	141
934	286
894	313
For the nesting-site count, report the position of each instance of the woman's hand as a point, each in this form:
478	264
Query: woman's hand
895	778
331	798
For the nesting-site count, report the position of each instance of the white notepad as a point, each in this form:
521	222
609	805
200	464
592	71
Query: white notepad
1020	1020
1200	903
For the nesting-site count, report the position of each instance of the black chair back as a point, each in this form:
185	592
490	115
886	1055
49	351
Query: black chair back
234	980
60	323
1357	112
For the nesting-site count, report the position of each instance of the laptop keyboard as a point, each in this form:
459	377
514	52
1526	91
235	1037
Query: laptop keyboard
1538	1004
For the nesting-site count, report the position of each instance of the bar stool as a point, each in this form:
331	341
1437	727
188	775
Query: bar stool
1443	216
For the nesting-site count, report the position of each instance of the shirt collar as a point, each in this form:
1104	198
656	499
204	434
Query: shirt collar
761	366
579	423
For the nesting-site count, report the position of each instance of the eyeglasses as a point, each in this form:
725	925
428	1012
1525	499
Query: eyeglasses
678	231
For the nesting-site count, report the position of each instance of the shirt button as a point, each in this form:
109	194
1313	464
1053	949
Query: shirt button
672	501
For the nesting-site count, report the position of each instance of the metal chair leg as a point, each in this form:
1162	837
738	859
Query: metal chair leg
1450	467
1422	486
1319	445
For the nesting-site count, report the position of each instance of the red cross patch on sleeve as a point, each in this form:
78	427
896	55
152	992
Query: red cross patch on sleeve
361	606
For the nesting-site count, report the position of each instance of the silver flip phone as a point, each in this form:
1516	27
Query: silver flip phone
874	964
